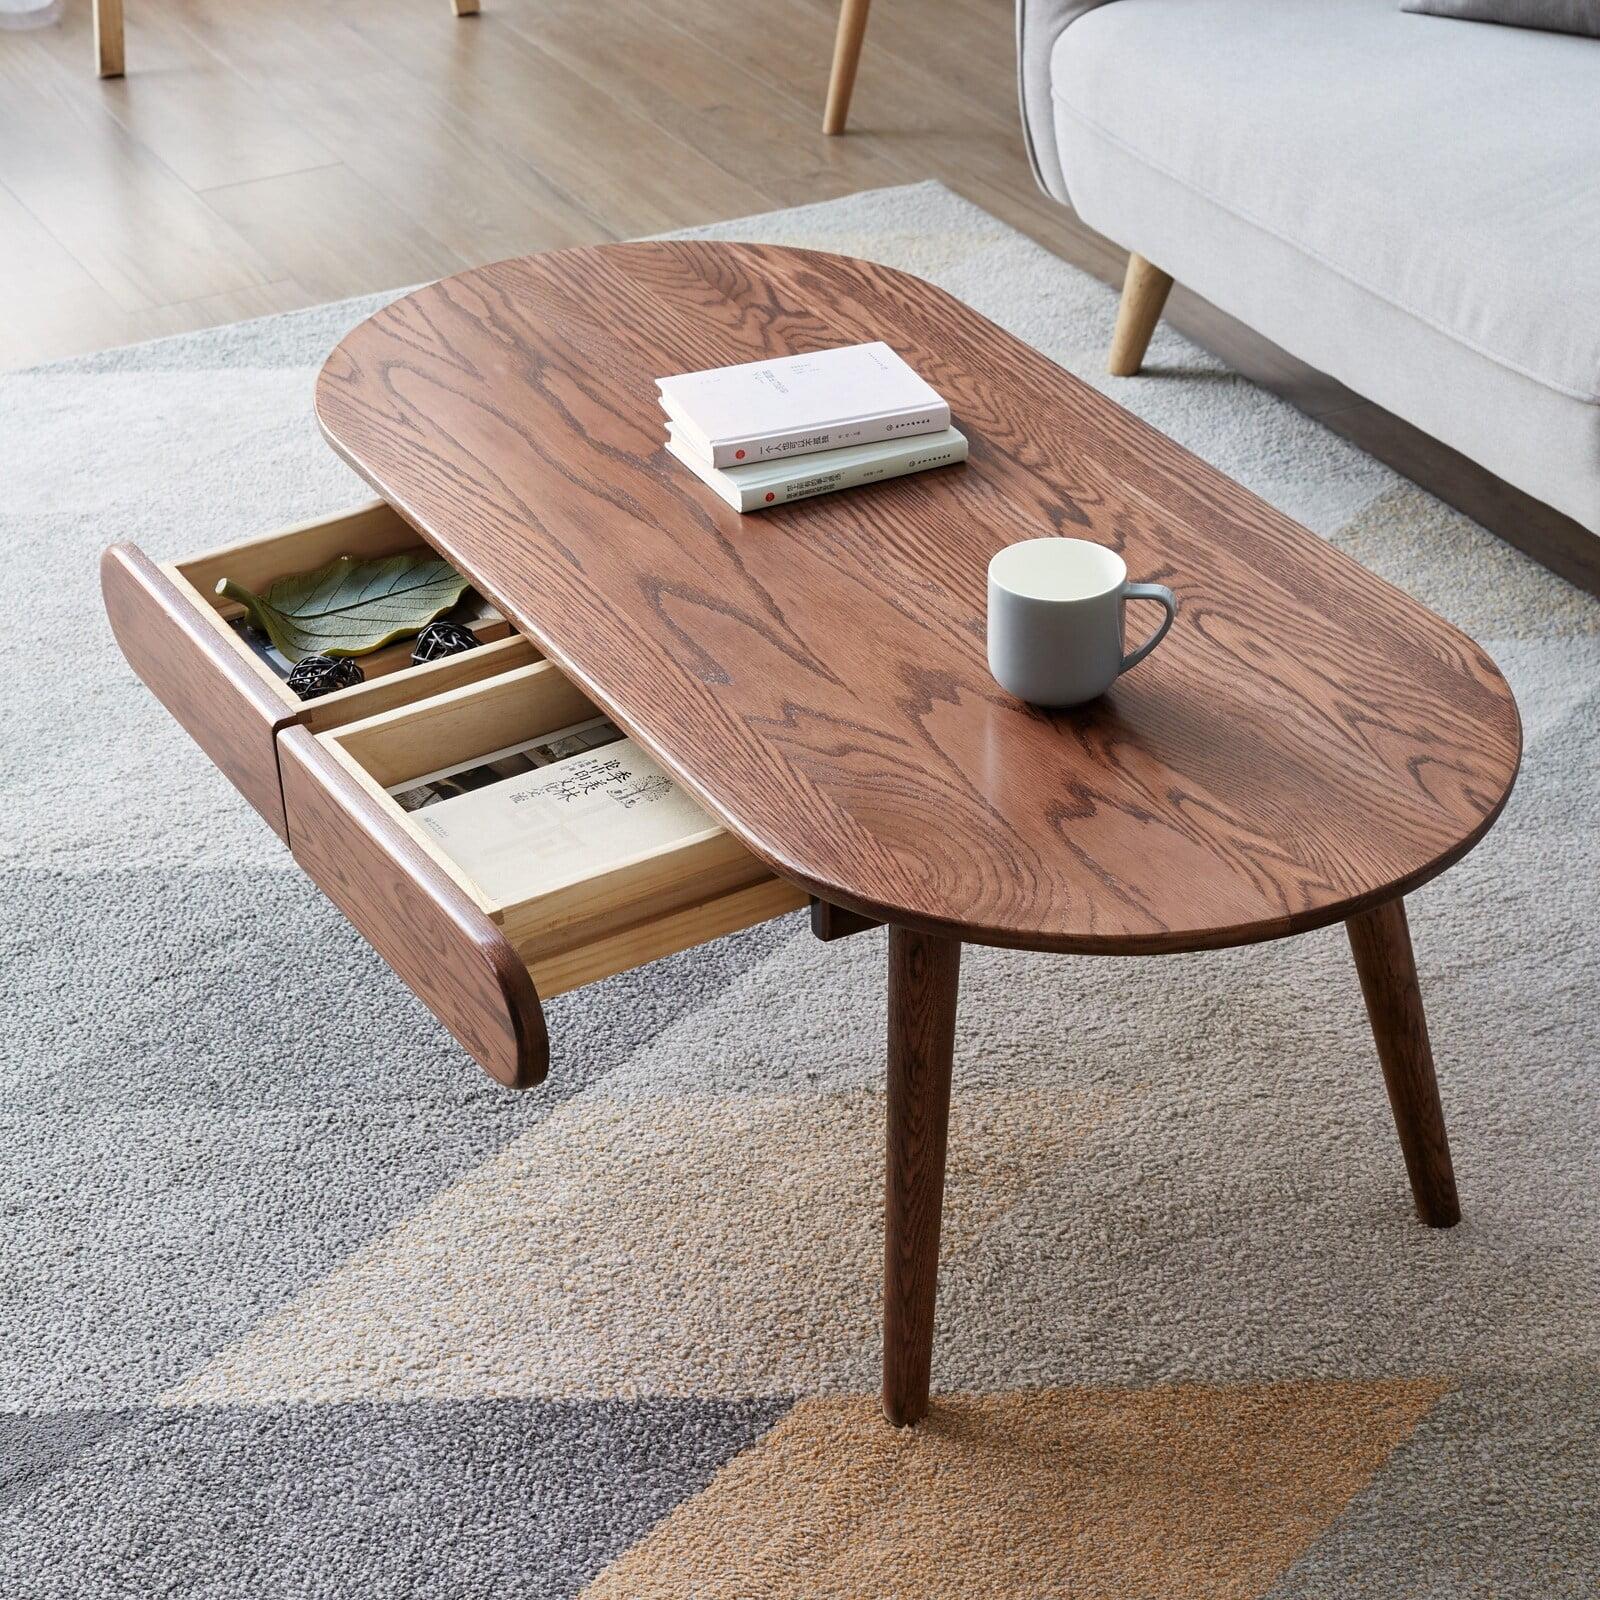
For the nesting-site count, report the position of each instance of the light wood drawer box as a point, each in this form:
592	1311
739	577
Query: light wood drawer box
177	636
480	964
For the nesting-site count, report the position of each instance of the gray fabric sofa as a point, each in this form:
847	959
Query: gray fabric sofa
1408	203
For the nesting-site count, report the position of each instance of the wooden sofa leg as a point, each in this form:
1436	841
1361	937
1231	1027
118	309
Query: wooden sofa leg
1144	293
465	8
108	52
846	58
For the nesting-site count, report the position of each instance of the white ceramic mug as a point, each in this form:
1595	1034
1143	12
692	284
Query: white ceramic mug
1055	619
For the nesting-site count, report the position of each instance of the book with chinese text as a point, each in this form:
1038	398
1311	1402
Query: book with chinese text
528	833
776	483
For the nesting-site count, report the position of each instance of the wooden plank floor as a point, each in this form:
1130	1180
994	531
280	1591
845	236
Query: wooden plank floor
267	154
263	155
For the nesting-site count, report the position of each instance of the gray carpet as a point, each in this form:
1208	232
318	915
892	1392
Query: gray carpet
294	1301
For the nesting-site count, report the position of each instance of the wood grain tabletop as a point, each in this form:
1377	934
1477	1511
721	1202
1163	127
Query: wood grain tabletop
1308	742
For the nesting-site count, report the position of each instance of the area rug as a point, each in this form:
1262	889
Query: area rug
295	1302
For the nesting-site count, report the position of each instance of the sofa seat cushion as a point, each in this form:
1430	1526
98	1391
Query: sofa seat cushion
1449	169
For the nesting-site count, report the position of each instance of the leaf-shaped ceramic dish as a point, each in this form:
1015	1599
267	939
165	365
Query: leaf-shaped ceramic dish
350	608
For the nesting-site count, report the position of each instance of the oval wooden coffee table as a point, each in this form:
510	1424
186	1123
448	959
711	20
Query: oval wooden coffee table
1309	745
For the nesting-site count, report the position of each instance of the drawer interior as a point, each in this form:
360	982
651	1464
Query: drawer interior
390	677
569	924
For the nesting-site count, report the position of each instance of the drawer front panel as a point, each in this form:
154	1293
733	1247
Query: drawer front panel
411	912
226	706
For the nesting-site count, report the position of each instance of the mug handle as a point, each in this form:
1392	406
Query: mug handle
1149	591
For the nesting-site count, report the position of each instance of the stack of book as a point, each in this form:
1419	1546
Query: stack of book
768	432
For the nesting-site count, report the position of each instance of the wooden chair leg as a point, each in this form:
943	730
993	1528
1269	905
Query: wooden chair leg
108	49
1381	943
1144	293
846	58
924	973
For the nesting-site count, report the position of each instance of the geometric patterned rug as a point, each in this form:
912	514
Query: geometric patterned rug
294	1301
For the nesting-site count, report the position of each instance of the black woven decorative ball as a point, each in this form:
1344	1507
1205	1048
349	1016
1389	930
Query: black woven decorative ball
441	639
317	675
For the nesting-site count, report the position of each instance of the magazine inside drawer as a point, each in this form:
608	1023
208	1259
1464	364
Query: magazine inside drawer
390	677
585	854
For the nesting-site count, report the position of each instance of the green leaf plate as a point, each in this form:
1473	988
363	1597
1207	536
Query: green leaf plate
351	608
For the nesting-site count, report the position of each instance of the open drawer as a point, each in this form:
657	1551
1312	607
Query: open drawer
481	963
184	642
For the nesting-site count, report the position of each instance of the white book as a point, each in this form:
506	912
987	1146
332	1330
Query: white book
553	825
774	483
794	405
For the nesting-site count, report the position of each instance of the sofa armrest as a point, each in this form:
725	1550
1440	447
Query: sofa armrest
1039	24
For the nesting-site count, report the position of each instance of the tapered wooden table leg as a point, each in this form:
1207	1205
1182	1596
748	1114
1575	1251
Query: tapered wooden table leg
923	979
1381	942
